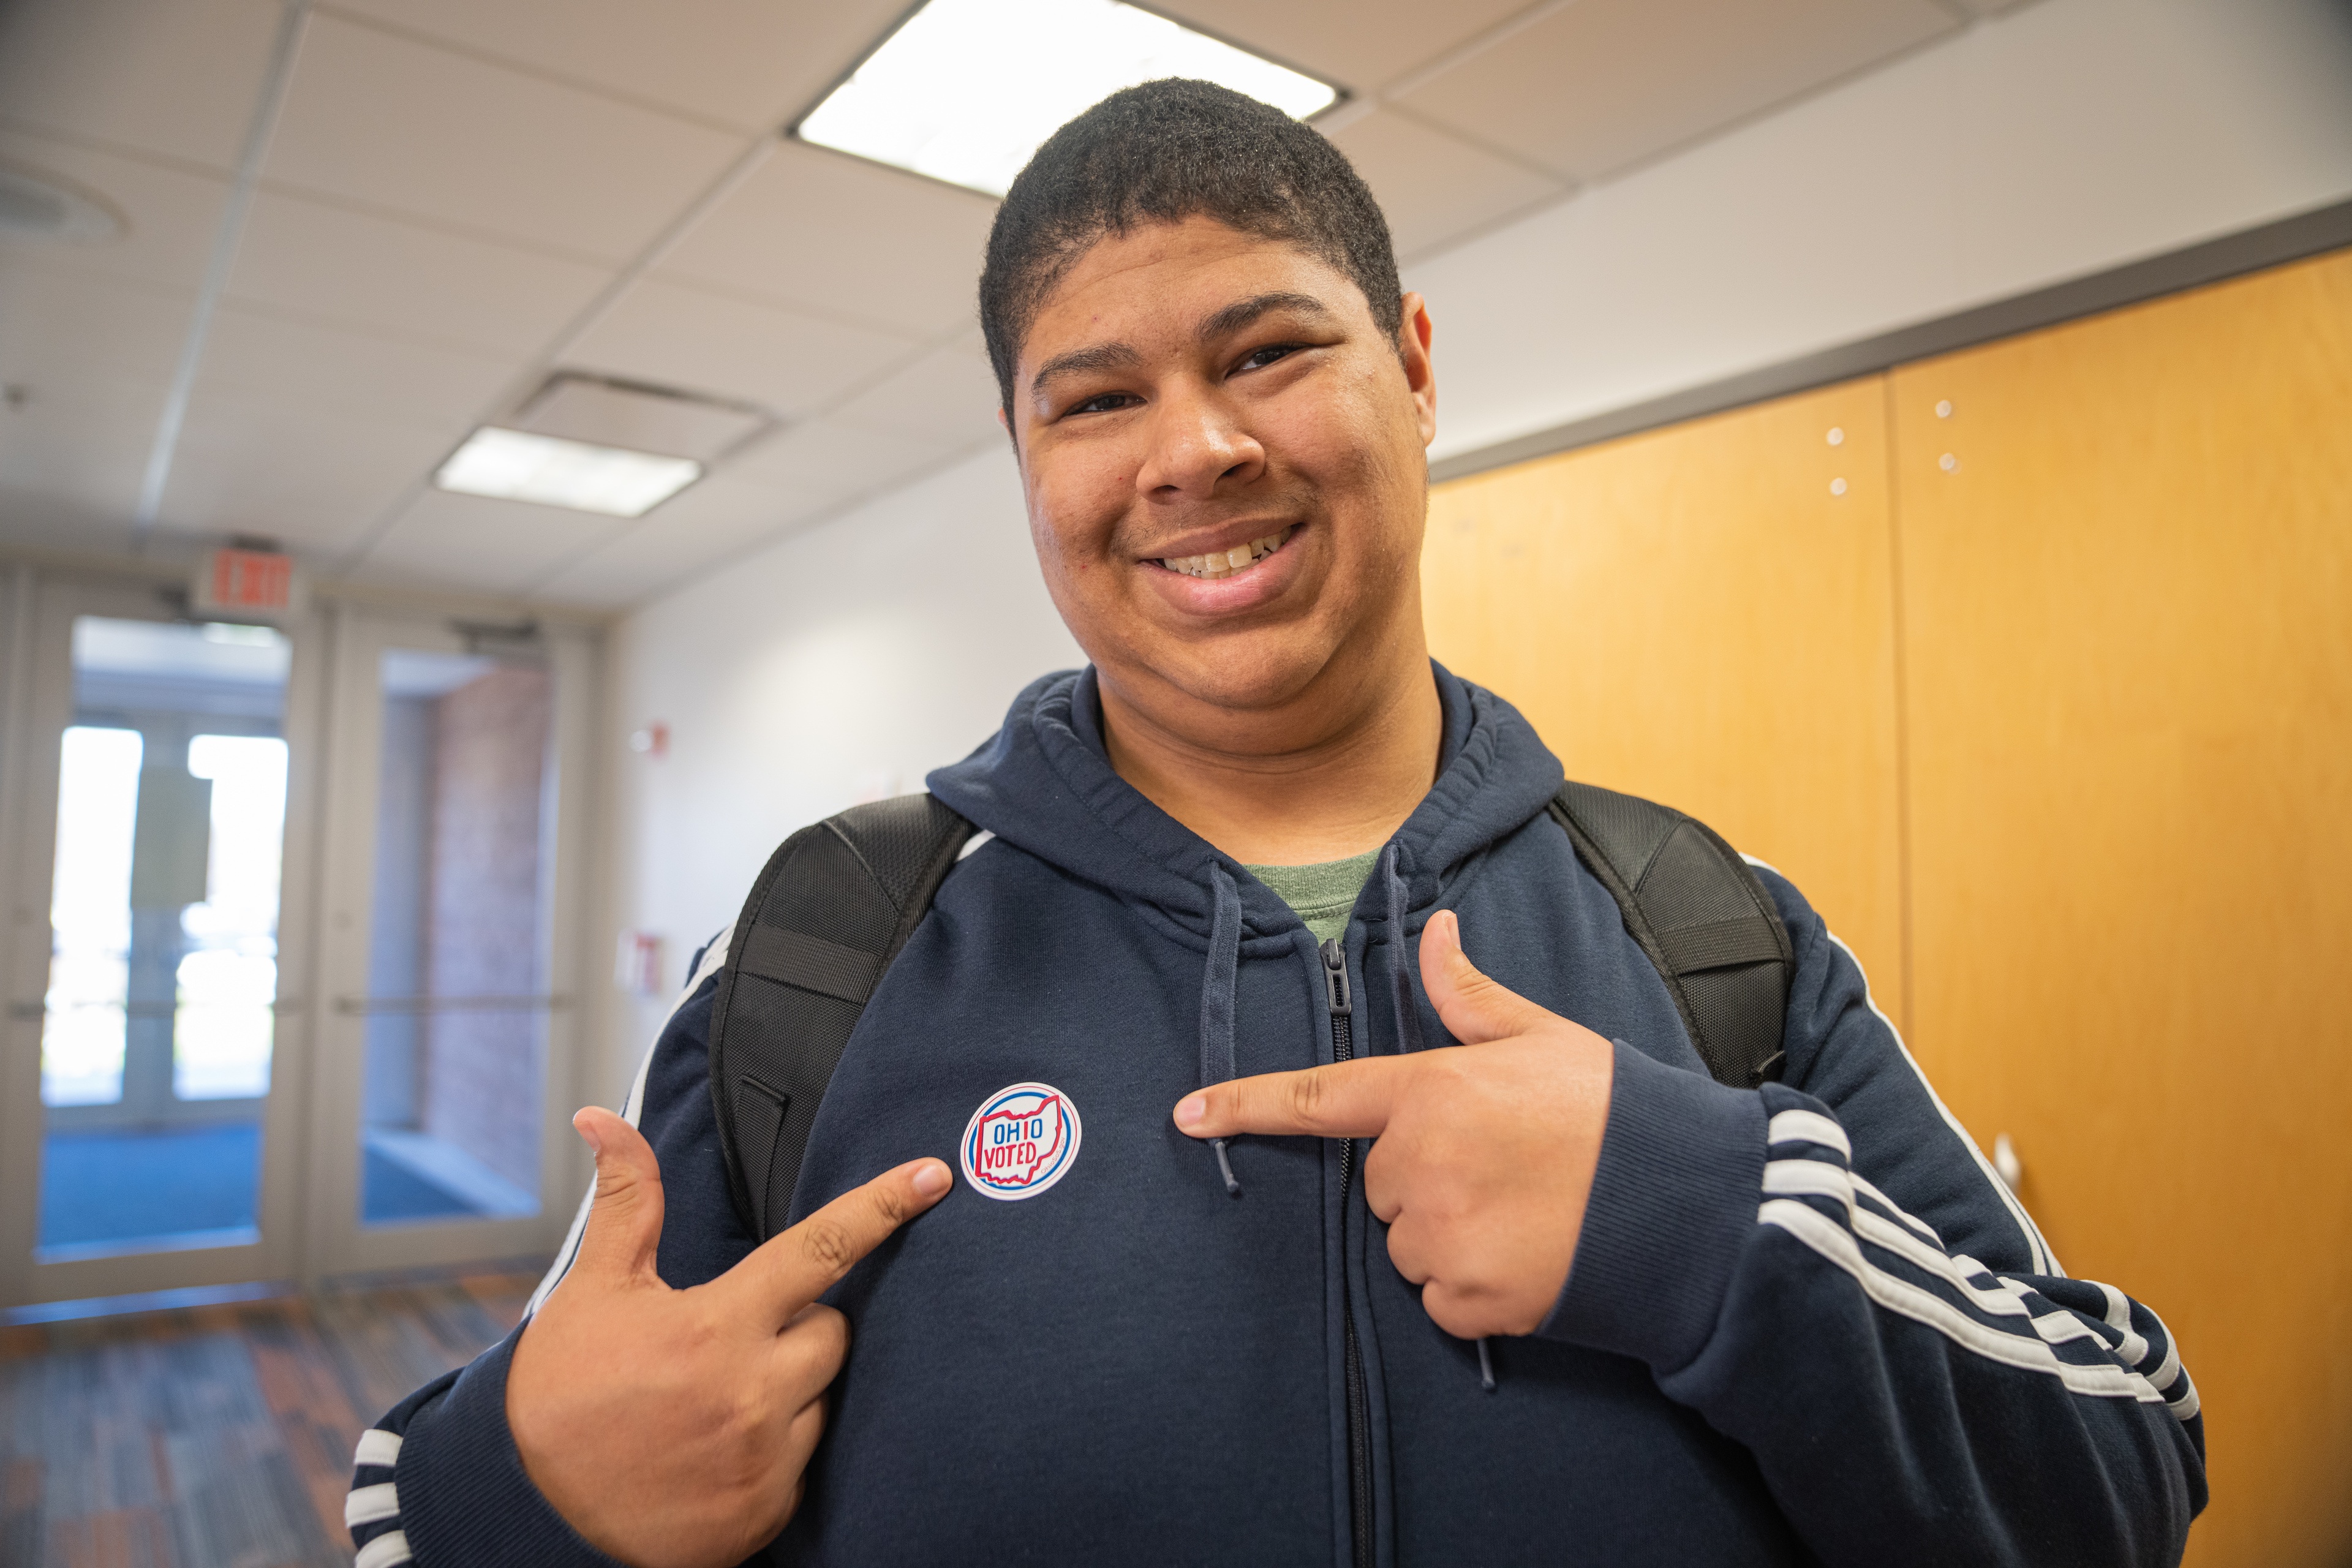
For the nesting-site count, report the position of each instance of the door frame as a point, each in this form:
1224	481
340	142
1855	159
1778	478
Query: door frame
41	607
357	634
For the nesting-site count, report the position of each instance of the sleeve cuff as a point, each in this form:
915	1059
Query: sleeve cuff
465	1498
1674	1199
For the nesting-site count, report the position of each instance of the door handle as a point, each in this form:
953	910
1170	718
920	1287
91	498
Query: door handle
413	1005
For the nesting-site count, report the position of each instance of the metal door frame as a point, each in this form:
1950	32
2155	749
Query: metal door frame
41	608
336	1243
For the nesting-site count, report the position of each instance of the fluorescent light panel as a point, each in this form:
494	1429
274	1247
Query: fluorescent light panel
515	465
967	89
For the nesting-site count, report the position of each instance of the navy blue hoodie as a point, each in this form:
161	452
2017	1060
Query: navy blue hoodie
1803	1324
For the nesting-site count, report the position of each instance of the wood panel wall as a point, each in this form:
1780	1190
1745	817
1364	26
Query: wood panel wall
1696	616
2060	732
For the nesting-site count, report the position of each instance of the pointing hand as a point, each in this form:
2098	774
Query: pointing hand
1485	1150
670	1427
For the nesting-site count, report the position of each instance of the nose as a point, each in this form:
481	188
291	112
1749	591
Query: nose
1197	445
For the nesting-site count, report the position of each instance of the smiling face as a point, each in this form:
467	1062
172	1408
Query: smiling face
1223	458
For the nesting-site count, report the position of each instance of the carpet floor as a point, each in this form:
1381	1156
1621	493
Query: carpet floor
217	1437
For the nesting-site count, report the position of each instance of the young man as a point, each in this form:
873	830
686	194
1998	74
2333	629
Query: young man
1200	1318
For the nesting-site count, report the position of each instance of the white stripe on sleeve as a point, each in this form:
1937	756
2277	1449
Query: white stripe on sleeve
2133	1348
371	1505
386	1551
2044	1260
1834	1242
1807	1127
377	1446
1995	1298
1788	1182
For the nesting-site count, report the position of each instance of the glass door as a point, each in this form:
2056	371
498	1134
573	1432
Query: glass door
145	1122
450	888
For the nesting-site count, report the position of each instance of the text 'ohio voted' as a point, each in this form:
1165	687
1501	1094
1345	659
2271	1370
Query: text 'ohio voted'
1021	1140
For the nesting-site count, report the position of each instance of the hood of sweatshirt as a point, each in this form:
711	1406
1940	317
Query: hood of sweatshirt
1044	783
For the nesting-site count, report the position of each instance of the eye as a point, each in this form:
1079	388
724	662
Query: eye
1103	402
1258	359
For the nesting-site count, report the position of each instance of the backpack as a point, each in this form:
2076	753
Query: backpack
838	900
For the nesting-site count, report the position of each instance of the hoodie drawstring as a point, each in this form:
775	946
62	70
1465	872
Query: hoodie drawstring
1408	1018
1219	981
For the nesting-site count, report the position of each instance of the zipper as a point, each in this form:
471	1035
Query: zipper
1359	1459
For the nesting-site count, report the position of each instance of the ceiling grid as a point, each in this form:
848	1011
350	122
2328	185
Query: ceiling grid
460	198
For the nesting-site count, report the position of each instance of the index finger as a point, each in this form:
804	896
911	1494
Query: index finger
1345	1099
794	1268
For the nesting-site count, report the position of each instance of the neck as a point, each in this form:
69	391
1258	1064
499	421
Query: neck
1330	774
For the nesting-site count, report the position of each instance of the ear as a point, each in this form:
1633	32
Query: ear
1413	337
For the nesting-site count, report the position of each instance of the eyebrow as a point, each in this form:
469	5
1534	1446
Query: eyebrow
1242	312
1078	361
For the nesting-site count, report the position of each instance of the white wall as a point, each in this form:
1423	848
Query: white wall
838	665
2057	140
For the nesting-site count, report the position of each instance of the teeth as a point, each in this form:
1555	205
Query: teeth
1225	562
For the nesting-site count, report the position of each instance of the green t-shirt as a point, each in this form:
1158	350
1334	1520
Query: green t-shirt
1323	895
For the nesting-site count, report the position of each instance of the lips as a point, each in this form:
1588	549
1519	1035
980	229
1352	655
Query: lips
1225	562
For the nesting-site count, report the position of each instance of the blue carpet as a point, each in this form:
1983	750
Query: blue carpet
392	1191
99	1187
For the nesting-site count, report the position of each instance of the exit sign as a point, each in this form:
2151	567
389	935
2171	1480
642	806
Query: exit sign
257	582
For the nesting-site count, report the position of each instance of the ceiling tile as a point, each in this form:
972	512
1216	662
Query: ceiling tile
1601	84
486	546
93	357
1433	185
66	325
303	257
303	366
168	216
380	119
313	478
696	341
71	460
1361	43
750	63
72	519
947	397
825	463
175	77
717	519
843	237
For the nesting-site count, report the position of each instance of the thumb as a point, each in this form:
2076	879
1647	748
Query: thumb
624	1221
1475	1008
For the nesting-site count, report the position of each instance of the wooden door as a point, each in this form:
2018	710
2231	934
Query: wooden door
2126	574
1704	614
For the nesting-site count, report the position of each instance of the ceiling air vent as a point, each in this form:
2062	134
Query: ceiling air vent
597	443
35	207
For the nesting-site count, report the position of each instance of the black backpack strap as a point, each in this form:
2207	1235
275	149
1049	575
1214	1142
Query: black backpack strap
835	904
1703	916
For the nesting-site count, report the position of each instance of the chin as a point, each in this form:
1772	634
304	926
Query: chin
1245	673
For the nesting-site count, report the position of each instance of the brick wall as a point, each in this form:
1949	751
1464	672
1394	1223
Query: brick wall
483	1070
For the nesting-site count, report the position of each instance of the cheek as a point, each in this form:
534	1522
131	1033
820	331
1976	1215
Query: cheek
1068	537
1074	515
1344	441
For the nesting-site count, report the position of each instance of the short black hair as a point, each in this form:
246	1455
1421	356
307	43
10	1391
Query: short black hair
1160	153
